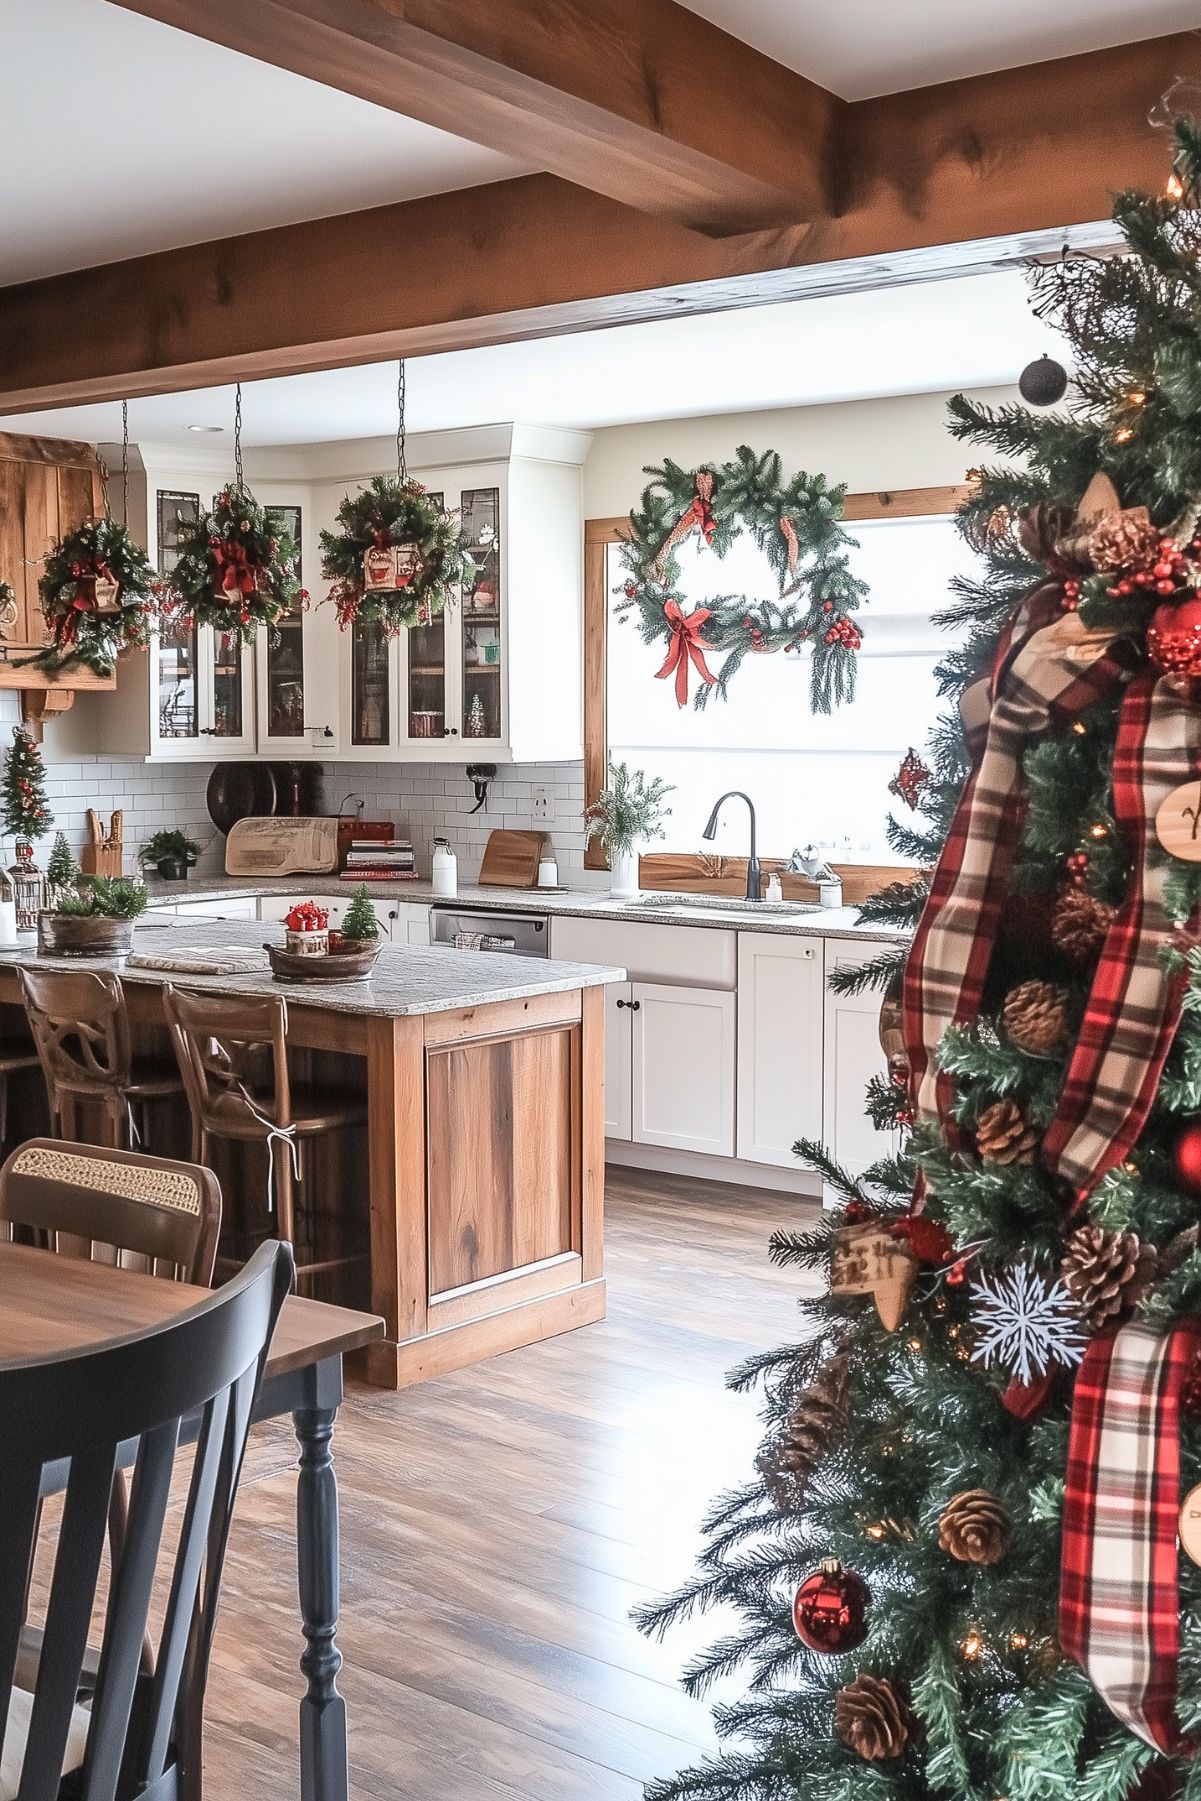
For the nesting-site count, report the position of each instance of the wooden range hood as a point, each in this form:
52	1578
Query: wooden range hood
47	487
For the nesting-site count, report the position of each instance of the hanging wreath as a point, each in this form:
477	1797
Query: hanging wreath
398	558
236	568
99	597
797	527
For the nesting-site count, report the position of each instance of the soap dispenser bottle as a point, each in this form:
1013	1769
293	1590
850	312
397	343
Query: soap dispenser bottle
445	870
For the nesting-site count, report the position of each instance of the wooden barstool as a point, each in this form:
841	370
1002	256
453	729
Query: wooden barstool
80	1029
233	1057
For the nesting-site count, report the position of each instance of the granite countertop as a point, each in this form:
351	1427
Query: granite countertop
583	903
406	979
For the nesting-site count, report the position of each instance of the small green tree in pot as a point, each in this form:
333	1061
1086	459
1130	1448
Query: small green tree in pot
360	926
627	814
62	871
172	854
95	921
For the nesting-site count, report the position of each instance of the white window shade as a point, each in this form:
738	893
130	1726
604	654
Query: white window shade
812	776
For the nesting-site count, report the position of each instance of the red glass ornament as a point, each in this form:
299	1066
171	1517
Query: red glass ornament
1186	1159
1174	638
830	1609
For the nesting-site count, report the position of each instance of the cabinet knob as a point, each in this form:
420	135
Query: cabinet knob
634	1006
450	731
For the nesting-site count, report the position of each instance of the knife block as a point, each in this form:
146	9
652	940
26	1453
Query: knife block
104	858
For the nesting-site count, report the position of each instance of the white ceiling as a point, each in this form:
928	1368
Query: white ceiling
121	135
974	332
858	48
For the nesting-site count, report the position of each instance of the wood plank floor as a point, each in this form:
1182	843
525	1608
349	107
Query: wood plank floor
498	1524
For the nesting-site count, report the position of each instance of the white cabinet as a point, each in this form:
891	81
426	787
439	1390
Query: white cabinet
237	907
852	1057
619	1061
669	1066
780	1024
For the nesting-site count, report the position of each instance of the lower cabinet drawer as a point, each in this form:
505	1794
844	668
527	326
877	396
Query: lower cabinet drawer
688	956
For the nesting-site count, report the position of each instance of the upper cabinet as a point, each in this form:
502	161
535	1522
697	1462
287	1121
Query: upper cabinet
48	486
497	677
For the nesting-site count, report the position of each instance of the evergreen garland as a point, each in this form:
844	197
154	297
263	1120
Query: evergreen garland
26	812
796	524
1002	1712
236	568
384	514
88	622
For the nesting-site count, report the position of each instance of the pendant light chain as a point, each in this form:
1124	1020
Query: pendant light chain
402	468
238	438
125	462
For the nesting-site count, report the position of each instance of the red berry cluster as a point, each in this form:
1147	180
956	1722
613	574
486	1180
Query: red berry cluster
840	630
1167	575
1077	867
1071	596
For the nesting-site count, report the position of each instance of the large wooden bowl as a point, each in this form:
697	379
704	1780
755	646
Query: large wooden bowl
335	966
83	935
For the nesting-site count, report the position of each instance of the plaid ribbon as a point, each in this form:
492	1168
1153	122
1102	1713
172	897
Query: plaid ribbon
1043	673
1118	1599
1134	1006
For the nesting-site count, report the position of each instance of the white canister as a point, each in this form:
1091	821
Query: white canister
548	870
8	922
445	870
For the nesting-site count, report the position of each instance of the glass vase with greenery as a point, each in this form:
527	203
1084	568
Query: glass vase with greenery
625	815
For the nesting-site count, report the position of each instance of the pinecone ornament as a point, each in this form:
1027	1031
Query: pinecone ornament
1035	1017
1126	541
1004	1135
974	1527
1079	923
818	1412
874	1718
1107	1273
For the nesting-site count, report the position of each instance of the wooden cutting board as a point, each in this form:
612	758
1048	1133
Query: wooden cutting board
273	847
511	860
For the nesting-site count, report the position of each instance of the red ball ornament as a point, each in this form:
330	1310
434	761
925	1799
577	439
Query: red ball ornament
1174	638
1186	1159
830	1609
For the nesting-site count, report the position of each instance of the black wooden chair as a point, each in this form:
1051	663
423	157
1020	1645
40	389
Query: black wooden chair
137	1735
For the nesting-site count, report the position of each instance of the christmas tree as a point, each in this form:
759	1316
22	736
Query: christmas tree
62	871
26	814
956	1574
360	920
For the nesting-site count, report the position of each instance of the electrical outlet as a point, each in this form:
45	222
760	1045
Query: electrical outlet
542	799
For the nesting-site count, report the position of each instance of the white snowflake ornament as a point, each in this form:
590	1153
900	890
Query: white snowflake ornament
1026	1322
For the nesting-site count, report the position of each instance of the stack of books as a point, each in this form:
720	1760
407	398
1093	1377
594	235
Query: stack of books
379	860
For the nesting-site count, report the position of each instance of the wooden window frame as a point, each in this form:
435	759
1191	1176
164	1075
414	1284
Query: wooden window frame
599	534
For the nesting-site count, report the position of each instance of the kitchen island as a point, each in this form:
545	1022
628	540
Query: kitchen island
478	1201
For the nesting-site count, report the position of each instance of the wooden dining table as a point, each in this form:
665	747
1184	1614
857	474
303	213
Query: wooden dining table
50	1305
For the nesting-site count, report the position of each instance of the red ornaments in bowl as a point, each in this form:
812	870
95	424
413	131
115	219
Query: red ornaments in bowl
1174	637
829	1611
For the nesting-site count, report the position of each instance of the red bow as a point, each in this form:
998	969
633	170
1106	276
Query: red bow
239	577
687	646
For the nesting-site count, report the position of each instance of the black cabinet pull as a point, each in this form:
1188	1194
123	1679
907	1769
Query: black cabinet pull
632	1005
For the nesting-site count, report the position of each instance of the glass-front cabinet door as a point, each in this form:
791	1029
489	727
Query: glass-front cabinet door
372	685
483	646
202	700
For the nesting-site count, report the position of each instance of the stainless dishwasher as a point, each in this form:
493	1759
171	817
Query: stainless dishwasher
520	934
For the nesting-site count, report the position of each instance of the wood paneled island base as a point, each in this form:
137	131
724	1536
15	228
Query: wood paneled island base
484	1176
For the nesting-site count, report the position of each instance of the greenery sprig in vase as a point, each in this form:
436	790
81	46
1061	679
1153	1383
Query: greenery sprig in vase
626	814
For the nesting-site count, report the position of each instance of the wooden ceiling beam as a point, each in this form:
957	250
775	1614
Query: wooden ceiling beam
639	100
963	177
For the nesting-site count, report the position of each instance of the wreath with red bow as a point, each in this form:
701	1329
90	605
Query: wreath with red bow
398	558
236	568
99	597
797	525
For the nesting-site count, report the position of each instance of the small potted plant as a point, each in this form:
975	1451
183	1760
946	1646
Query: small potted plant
172	854
306	930
625	815
95	921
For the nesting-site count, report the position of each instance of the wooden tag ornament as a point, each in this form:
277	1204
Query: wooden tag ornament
1190	1525
867	1259
1178	820
379	568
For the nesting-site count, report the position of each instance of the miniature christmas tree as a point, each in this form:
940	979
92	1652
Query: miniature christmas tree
62	871
360	921
26	814
956	1577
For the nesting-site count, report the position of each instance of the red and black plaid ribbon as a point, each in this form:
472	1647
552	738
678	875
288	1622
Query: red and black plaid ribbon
1119	1612
1134	1004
